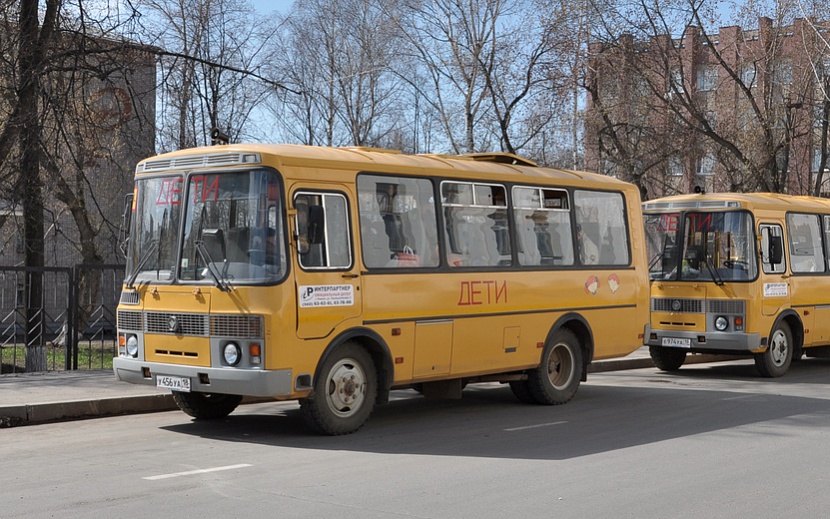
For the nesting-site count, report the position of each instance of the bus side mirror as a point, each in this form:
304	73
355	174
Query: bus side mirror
776	250
316	224
126	221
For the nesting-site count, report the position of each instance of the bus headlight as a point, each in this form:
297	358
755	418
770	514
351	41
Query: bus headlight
232	354
132	346
721	323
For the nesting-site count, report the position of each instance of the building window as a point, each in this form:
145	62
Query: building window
816	160
675	166
748	75
707	79
676	84
711	119
784	73
818	115
706	165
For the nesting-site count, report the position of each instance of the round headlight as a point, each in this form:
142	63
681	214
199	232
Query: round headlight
721	323
132	346
232	354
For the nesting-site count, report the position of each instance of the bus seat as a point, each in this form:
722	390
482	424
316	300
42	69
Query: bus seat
376	252
237	244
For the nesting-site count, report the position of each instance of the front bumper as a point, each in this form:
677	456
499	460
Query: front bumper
266	383
726	342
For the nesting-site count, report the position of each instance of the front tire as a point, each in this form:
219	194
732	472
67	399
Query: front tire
206	406
557	378
345	392
667	359
779	355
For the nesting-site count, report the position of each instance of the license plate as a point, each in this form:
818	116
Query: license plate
674	342
174	383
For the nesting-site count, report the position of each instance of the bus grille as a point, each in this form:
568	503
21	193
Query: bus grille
129	297
668	304
726	306
198	161
129	320
186	324
242	326
199	325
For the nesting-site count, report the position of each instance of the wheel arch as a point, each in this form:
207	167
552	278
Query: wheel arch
578	325
793	320
378	350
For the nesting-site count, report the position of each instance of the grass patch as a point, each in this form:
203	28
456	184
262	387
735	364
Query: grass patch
97	355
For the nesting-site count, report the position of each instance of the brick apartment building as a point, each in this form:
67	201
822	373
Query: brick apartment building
113	127
670	114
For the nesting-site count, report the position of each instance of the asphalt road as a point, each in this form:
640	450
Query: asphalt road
713	440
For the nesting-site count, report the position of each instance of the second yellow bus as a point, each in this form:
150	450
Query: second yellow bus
739	274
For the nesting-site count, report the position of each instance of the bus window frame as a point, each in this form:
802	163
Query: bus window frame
323	193
822	248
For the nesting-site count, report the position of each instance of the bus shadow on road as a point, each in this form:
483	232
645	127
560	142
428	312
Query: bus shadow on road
489	422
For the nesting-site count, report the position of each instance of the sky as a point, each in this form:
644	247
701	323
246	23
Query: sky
267	6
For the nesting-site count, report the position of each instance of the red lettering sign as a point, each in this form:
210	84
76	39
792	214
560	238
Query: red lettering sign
482	292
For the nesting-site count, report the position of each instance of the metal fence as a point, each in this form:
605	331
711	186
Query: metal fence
71	326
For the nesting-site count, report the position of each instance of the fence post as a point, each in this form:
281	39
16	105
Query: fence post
71	335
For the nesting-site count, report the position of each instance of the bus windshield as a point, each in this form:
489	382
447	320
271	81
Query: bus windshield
701	246
232	232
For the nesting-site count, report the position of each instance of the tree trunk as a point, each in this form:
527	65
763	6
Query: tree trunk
30	182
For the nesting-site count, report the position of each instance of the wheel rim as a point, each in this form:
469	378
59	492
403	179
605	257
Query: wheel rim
561	366
778	348
346	388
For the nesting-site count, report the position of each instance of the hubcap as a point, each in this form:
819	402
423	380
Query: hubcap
561	366
346	387
778	348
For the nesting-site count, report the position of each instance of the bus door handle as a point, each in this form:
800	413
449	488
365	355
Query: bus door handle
349	275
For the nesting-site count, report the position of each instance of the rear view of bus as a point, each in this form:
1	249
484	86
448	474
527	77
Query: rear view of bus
728	276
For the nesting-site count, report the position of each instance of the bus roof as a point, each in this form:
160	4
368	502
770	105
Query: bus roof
726	201
499	165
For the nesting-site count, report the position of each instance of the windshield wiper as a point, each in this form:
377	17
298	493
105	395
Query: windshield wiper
713	271
218	277
154	245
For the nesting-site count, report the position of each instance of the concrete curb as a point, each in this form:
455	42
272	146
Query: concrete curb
31	414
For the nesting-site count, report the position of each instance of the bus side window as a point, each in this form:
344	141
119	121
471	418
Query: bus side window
322	230
806	251
397	222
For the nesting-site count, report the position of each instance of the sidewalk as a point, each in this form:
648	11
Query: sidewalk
27	399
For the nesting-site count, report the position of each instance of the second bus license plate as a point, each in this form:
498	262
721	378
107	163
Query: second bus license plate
674	342
173	383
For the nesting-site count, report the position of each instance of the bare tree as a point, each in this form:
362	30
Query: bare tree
211	55
739	93
337	58
68	80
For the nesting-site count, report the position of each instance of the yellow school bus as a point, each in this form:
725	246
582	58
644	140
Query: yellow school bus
334	275
738	274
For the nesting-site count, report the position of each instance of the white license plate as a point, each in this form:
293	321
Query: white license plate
674	342
174	383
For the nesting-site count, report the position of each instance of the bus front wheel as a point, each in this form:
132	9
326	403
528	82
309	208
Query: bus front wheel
777	359
557	378
206	406
667	359
345	392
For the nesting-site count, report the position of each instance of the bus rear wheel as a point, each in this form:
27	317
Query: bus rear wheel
345	392
777	359
206	406
557	378
667	359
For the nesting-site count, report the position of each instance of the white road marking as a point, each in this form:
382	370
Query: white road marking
533	426
199	471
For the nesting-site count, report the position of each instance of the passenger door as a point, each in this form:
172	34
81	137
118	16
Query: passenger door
775	284
326	276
